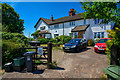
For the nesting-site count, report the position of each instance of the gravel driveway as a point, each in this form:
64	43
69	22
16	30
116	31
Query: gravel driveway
85	64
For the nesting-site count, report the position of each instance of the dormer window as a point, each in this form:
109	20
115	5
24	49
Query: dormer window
72	23
42	28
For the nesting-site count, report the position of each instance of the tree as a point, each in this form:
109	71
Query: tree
36	34
11	21
108	11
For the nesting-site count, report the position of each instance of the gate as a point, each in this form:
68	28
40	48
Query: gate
47	55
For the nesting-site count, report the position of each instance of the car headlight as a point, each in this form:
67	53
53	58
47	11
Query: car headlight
63	45
73	46
95	46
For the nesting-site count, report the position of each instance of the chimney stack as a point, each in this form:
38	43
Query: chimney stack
51	17
71	12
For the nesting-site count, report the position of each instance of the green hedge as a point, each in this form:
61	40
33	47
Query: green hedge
57	40
11	42
15	37
43	40
66	38
10	50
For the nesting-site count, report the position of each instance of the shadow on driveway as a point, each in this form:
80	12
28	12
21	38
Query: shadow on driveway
80	51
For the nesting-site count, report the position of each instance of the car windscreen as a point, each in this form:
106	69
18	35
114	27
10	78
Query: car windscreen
74	41
103	40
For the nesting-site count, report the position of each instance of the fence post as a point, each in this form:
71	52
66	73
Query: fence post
49	54
114	55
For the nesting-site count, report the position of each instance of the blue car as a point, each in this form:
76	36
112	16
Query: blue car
75	45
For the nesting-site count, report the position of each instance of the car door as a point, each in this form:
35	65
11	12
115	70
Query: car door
85	43
81	43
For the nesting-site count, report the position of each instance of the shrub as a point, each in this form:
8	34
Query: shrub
57	39
53	40
11	44
60	42
10	50
90	42
66	38
115	35
36	34
15	37
96	40
43	40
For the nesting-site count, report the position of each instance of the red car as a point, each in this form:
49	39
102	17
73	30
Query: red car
100	46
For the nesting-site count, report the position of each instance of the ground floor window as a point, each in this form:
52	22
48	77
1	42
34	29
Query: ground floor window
95	35
102	34
56	35
98	34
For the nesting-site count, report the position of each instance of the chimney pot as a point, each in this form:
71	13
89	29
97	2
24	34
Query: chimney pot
51	17
71	12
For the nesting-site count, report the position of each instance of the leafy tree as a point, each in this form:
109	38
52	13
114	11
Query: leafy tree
11	21
36	34
108	11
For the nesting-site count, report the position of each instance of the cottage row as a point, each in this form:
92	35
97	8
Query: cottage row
73	25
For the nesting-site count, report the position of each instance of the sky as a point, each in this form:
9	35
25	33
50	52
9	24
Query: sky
30	12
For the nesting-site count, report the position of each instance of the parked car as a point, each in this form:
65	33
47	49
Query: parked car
100	46
75	45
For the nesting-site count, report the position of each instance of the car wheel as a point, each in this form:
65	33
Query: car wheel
78	49
85	46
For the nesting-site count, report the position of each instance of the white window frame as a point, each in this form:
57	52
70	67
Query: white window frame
84	21
72	23
56	26
101	35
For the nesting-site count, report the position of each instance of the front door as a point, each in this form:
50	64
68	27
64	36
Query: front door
80	34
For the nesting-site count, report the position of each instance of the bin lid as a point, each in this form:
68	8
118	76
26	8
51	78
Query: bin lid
10	63
113	71
18	58
29	53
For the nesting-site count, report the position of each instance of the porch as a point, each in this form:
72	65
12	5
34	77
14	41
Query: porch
45	34
79	31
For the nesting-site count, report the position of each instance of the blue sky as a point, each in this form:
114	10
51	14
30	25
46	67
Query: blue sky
30	12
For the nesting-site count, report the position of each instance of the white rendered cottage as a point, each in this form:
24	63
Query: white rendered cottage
73	25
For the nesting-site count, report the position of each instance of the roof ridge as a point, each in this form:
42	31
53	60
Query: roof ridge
78	16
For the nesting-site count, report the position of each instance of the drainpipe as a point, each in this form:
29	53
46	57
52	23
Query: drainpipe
63	33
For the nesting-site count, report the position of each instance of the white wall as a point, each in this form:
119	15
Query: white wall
89	34
67	28
41	24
